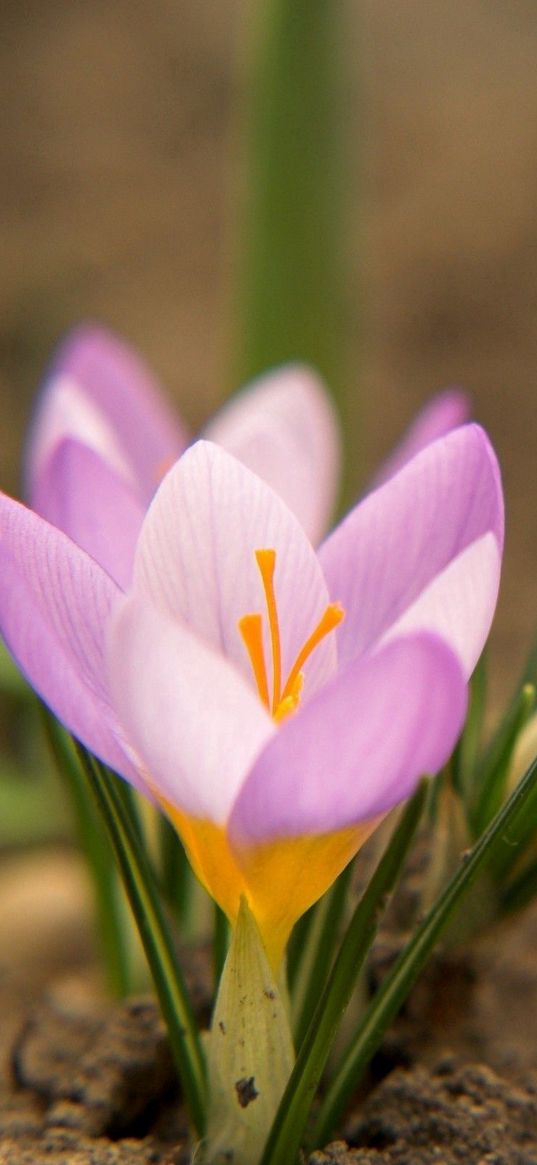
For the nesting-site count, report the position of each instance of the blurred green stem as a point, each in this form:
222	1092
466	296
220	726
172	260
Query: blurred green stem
111	919
290	294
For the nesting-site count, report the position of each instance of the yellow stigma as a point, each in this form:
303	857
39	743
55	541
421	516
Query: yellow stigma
284	700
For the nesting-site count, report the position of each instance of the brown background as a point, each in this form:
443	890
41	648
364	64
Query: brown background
118	179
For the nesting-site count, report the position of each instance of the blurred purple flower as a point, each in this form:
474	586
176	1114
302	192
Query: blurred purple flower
103	437
275	702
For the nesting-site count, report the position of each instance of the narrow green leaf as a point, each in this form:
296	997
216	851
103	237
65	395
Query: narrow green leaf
221	935
288	1128
506	865
140	887
111	920
250	1051
465	757
175	870
291	226
529	674
12	682
405	971
521	891
317	954
295	946
493	769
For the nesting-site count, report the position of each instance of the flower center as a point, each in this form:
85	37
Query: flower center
284	698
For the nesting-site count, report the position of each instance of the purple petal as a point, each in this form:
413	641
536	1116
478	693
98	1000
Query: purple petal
55	603
82	495
430	539
191	719
446	411
195	560
359	747
283	427
99	391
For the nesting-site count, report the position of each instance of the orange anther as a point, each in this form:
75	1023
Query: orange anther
285	702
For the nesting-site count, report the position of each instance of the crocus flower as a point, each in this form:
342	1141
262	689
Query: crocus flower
275	702
103	436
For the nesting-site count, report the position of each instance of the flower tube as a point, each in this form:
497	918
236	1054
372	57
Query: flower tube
275	702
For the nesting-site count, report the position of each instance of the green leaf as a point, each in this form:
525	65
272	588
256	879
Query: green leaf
464	760
288	1129
492	770
507	865
317	953
412	959
521	891
141	890
111	919
175	870
221	936
12	683
250	1051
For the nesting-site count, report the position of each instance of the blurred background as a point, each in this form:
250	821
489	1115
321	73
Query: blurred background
120	186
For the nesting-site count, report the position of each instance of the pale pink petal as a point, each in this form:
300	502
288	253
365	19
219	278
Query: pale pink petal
194	723
359	747
398	542
100	391
55	603
283	427
66	412
459	603
82	495
446	411
195	560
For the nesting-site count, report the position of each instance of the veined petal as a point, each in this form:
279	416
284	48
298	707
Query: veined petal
458	604
100	391
196	560
446	411
393	546
282	427
192	721
55	603
359	746
81	494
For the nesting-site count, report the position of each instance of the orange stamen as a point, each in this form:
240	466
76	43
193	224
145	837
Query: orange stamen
285	702
289	704
332	617
266	561
251	629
